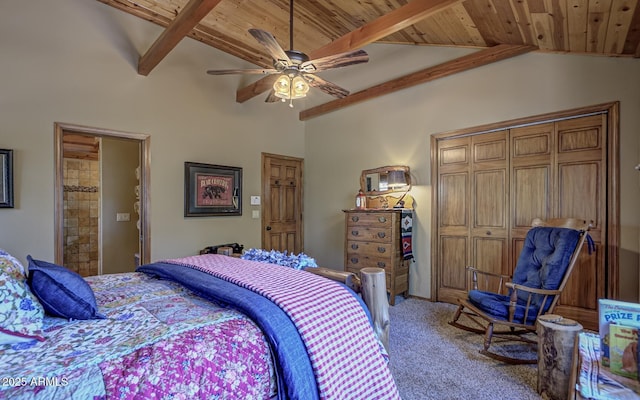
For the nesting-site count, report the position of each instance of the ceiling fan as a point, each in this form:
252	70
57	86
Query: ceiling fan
296	72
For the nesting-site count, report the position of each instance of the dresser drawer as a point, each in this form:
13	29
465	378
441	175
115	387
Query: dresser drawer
368	233
371	249
379	220
359	260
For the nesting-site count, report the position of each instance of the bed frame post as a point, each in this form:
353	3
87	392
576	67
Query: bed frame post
374	294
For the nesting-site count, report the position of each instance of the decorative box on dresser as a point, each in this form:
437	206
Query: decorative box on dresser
373	239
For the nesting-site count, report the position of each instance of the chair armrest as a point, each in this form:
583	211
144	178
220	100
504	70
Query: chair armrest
487	278
522	288
513	300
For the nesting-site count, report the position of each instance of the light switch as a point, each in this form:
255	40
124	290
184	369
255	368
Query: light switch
255	214
255	201
123	217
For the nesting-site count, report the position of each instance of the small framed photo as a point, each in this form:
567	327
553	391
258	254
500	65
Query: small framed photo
212	190
6	187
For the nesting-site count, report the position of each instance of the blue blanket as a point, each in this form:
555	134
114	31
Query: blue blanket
295	375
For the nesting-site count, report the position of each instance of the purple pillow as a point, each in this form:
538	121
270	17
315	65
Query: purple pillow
62	292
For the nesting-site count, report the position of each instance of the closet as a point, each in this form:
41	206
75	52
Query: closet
490	182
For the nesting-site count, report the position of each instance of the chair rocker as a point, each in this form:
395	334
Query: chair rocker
551	249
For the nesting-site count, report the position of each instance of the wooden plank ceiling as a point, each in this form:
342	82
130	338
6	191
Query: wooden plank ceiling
325	27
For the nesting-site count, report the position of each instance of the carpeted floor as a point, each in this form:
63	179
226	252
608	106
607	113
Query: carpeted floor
432	360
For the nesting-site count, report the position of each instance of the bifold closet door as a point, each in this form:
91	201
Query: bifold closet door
490	186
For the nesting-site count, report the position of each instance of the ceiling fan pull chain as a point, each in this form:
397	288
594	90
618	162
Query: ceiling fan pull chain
291	86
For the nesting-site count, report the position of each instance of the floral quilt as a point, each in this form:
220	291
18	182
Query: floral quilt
159	341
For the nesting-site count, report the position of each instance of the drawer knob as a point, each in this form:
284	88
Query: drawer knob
382	219
381	264
381	235
355	218
355	233
354	246
354	260
381	249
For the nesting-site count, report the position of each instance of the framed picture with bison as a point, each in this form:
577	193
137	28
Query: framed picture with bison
211	190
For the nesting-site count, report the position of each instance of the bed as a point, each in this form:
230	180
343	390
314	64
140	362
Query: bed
208	326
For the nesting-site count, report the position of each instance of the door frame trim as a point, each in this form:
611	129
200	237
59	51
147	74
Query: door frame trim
145	178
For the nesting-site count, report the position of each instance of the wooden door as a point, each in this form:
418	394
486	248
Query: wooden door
490	203
581	179
453	207
282	203
532	170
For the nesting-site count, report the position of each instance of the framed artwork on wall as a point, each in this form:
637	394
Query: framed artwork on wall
6	186
212	190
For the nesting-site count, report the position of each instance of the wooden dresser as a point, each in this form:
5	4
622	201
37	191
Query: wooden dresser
373	239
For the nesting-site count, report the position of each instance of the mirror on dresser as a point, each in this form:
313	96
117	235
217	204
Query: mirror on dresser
389	179
387	187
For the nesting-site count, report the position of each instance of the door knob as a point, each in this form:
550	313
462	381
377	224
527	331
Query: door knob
268	228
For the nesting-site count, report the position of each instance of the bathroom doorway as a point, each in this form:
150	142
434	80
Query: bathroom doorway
101	199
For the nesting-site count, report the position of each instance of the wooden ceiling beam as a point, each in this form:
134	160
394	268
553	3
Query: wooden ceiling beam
183	23
474	60
377	29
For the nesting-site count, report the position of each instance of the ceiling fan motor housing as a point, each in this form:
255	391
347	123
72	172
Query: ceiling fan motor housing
297	57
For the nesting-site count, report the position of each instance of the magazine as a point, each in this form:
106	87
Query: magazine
595	381
617	312
623	350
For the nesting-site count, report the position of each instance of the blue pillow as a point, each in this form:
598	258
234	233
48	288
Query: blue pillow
62	292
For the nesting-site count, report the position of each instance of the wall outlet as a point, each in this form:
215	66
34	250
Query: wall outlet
255	200
123	217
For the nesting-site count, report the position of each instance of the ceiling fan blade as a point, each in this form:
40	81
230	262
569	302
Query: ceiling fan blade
326	86
271	44
242	71
335	61
272	98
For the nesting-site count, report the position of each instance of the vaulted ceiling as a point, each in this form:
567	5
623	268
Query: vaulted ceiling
498	28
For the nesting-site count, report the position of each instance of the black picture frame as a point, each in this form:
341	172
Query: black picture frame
6	184
212	190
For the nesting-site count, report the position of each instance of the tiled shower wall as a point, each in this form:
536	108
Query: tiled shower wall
81	214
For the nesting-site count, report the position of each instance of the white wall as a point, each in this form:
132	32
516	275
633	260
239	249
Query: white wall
396	129
74	61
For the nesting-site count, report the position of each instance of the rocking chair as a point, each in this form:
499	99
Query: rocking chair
551	249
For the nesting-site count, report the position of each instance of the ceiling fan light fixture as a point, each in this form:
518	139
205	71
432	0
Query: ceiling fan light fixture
290	87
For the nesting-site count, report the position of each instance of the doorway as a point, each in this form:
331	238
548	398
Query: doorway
100	174
282	227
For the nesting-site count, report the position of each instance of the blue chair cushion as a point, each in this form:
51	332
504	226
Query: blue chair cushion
542	264
544	260
497	305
